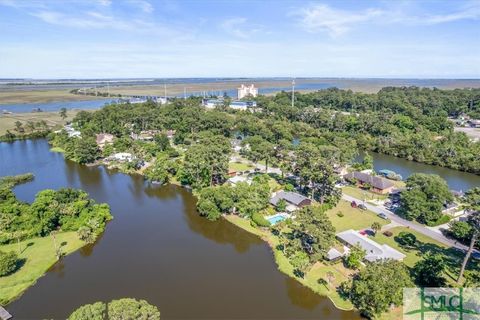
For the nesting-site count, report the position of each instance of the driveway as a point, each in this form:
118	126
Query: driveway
409	224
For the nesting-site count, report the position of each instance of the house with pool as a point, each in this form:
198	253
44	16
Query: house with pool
293	200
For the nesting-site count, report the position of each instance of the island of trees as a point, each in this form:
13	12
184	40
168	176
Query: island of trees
68	216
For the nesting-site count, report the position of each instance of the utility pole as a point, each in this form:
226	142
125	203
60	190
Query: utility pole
293	92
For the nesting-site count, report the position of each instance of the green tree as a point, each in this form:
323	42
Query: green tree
86	150
316	230
376	226
460	230
375	288
122	309
162	141
18	126
208	209
355	257
94	311
473	206
8	262
299	260
407	239
281	205
429	271
131	309
424	198
63	113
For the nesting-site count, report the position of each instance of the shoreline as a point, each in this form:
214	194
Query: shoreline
18	289
278	256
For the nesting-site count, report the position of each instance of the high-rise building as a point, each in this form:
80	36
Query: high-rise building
244	91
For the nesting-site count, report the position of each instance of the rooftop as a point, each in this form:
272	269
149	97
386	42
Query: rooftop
376	182
374	251
291	197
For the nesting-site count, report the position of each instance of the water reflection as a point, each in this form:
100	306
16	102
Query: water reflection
157	248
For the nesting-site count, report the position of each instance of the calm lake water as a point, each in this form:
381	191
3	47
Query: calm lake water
457	180
157	248
55	106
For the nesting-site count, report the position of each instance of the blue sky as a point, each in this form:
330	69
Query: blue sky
154	38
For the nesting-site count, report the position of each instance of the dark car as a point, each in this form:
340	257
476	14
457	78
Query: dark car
383	216
362	206
353	204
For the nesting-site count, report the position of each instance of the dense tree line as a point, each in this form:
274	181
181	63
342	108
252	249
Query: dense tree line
64	209
121	309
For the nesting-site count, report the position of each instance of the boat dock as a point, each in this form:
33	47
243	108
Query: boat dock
4	315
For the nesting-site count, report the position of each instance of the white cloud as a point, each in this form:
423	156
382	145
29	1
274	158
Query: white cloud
145	6
321	17
235	27
324	18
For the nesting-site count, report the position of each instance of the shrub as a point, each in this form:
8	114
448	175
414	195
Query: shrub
8	263
443	219
387	233
289	187
406	239
260	220
97	311
340	214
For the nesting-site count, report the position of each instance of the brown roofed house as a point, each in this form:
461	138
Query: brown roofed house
103	139
378	184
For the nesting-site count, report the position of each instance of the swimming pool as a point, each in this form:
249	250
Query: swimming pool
277	218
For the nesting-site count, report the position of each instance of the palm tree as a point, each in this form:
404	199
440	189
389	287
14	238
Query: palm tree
473	200
376	226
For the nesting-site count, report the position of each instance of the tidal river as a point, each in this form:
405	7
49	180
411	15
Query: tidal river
157	248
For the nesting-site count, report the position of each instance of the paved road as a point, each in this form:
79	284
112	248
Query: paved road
409	224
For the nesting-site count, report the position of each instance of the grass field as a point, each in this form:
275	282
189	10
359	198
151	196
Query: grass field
53	119
39	256
353	218
453	258
40	96
239	166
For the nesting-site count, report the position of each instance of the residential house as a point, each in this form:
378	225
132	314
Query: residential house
377	184
294	200
103	139
242	105
121	157
374	251
145	135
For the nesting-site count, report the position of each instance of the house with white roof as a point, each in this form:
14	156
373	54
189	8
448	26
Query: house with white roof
374	251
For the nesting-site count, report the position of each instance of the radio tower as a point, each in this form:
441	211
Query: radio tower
293	92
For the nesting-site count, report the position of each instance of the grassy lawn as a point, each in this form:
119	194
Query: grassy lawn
317	271
238	166
363	194
353	218
53	119
39	96
453	257
39	255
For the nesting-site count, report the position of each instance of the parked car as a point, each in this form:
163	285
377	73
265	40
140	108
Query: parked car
383	216
361	206
353	204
